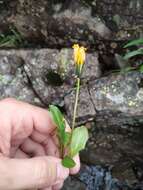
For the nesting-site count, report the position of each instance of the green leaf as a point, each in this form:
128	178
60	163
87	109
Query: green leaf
67	138
78	140
134	43
59	121
133	53
117	19
68	162
17	35
141	68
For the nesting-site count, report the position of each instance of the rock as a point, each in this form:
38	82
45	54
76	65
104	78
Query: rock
73	183
95	177
116	147
51	73
113	12
85	110
119	93
116	96
62	23
13	82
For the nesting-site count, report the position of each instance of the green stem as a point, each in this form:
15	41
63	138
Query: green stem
76	102
62	151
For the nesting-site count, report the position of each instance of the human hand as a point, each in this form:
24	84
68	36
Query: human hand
29	153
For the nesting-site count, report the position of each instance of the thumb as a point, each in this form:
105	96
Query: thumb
40	172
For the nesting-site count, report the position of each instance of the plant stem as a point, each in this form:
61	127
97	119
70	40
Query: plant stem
62	151
76	102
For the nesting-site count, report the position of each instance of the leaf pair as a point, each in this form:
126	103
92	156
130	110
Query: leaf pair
78	142
134	43
71	142
133	53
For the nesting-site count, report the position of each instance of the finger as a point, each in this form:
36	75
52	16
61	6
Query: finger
24	121
49	188
20	154
55	138
40	172
38	137
5	137
75	169
48	143
58	185
42	119
32	148
50	147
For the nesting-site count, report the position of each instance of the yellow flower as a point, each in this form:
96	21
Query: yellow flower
79	54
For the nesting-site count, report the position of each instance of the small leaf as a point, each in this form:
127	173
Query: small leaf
134	43
67	138
117	19
59	121
57	115
141	68
78	140
68	162
133	53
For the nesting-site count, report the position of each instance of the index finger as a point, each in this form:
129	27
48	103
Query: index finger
42	120
25	116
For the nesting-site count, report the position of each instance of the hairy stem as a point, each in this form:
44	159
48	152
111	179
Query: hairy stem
76	102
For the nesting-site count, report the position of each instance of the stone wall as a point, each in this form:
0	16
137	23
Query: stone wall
111	105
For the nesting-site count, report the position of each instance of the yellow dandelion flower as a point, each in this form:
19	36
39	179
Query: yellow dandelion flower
79	54
76	49
79	58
